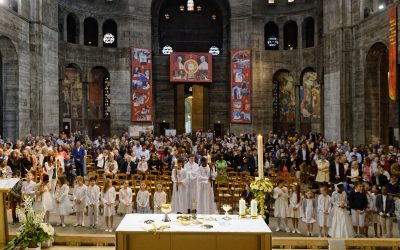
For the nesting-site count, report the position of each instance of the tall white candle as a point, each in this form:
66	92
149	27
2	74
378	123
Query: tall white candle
242	207
253	208
260	150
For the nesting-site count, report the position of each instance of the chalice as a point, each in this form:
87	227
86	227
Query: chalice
166	209
226	208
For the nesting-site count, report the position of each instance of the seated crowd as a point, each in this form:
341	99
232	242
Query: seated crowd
341	188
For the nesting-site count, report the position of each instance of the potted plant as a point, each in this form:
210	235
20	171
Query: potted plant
33	231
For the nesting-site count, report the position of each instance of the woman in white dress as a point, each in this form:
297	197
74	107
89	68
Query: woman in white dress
62	203
143	199
205	192
281	210
323	210
180	181
80	194
294	208
44	199
341	225
108	198
51	170
160	197
309	209
125	199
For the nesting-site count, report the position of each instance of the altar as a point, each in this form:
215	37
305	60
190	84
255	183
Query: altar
139	232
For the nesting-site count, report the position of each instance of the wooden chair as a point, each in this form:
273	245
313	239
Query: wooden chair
154	172
137	177
244	175
120	176
108	176
224	193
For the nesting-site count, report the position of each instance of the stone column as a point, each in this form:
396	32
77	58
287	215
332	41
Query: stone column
65	30
100	29
299	35
297	91
81	31
180	108
199	108
281	41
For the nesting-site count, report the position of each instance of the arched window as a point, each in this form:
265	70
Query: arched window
72	28
308	32
271	32
110	34
91	32
14	5
290	35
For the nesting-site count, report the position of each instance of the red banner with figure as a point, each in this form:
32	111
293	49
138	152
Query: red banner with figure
141	85
392	52
241	86
190	67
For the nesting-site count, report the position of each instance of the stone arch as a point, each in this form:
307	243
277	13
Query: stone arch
308	32
9	86
376	99
290	35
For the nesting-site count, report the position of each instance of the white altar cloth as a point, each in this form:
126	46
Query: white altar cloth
135	223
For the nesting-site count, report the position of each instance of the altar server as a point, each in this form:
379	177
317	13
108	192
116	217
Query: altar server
180	181
80	193
160	197
192	169
62	202
281	211
125	199
341	226
44	200
28	186
309	209
108	198
93	196
205	192
323	211
143	199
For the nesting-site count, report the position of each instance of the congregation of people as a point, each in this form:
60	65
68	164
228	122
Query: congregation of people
340	189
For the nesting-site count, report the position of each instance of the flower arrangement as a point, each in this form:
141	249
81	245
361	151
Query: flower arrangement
260	187
33	231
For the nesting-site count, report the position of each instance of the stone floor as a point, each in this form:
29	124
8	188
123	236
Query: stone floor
70	229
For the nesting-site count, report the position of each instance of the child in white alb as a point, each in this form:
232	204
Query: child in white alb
125	199
294	208
80	194
108	198
309	208
281	211
323	209
160	197
143	199
44	200
62	203
93	197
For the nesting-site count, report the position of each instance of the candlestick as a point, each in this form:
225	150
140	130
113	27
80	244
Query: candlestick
253	206
260	150
242	208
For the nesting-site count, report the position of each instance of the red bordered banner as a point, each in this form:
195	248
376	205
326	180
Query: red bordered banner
392	52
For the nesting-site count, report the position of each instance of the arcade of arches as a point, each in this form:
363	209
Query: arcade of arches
305	77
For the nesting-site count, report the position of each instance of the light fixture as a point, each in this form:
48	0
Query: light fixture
108	38
214	50
214	17
190	5
381	6
2	2
182	8
199	8
167	16
167	50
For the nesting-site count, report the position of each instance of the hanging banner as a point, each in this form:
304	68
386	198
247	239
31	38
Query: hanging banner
190	67
241	86
392	52
141	84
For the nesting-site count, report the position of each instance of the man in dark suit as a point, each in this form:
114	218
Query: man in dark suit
385	208
78	152
251	162
128	167
336	171
247	195
303	155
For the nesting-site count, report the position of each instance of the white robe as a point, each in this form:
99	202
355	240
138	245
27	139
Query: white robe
205	194
62	204
341	225
192	170
180	202
143	202
125	201
109	197
281	197
323	205
93	195
80	193
159	199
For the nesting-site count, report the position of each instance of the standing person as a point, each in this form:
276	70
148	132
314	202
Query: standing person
385	207
69	171
324	209
125	199
309	209
93	196
358	202
160	197
397	212
336	170
294	208
28	186
323	170
15	196
80	194
192	169
62	202
372	215
180	181
221	166
143	199
205	192
44	200
51	171
281	211
108	198
78	152
341	226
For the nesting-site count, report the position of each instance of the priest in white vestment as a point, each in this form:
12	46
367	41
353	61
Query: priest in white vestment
192	169
205	193
179	192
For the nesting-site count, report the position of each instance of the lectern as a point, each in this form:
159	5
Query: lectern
5	186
